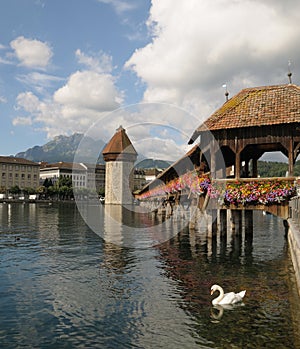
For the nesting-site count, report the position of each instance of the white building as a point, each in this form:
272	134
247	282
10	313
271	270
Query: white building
83	175
53	172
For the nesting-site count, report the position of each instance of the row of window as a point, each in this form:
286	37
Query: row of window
10	175
19	167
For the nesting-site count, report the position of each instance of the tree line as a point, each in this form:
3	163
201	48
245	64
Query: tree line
276	169
62	189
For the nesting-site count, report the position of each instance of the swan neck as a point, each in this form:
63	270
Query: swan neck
221	295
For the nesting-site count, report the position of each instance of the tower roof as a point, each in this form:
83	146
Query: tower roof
119	147
258	106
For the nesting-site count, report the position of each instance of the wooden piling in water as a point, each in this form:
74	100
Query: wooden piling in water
236	221
248	214
222	226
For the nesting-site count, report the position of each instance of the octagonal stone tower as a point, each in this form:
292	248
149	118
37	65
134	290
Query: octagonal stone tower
119	155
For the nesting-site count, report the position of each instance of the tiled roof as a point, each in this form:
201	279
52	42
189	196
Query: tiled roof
258	106
120	143
63	166
20	161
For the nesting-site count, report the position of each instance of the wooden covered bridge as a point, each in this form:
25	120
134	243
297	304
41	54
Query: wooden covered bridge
230	142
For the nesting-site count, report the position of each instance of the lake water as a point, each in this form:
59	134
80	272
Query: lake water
63	286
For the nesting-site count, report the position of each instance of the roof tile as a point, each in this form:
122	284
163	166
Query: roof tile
258	106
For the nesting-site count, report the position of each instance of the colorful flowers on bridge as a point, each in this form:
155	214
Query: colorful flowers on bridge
258	192
241	192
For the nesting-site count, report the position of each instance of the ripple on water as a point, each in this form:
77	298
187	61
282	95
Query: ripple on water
64	287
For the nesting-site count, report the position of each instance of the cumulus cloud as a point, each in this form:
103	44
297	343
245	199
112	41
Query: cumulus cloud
85	97
32	53
196	46
91	90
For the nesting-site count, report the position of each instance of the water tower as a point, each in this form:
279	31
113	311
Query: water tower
119	155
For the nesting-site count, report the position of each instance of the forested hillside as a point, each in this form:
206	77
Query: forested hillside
276	169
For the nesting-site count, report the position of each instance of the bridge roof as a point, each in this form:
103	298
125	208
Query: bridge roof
257	106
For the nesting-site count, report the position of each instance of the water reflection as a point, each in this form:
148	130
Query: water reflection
129	226
64	287
196	262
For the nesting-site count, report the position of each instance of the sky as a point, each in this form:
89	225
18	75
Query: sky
159	68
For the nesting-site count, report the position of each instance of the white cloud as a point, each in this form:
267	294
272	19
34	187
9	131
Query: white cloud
197	46
120	6
22	120
28	101
38	81
32	53
74	107
90	90
101	63
3	99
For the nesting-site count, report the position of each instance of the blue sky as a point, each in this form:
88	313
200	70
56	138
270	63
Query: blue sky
66	65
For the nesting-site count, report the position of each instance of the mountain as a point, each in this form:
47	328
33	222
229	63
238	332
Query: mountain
151	163
63	148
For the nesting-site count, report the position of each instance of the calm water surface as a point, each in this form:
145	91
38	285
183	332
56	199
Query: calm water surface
62	286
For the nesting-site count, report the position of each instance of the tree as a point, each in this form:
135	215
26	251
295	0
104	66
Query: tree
64	187
29	191
101	191
47	183
15	190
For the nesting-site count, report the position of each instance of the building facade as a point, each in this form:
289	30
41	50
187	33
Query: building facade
84	176
18	172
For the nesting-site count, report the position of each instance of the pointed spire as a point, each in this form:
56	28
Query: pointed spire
119	147
289	74
226	92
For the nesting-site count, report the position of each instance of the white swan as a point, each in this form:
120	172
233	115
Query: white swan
227	298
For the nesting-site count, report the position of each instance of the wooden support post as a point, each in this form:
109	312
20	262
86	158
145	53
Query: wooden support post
223	222
248	224
254	168
237	168
291	157
237	165
214	222
248	235
236	222
213	159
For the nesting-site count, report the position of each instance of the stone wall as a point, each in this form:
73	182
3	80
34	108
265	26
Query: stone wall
294	245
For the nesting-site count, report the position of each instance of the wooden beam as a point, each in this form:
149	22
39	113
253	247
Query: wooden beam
291	157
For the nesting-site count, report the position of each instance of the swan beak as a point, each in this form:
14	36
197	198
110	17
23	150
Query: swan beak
211	292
